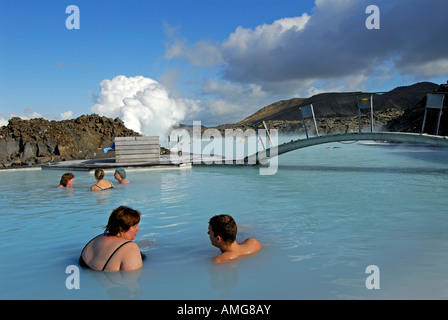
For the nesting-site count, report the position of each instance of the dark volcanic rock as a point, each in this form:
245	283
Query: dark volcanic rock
412	119
36	141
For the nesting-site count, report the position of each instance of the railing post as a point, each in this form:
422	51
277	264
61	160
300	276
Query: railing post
308	112
365	102
434	101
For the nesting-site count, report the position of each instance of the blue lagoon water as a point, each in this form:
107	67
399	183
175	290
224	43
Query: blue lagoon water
328	213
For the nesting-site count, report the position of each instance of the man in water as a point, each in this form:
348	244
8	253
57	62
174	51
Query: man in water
120	175
222	230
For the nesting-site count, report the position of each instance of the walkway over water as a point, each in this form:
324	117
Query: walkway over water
412	138
433	101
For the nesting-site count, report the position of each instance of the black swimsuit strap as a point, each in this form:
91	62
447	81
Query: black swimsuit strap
110	187
89	242
113	254
98	186
81	260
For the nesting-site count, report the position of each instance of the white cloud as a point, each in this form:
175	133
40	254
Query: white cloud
223	108
28	114
345	84
332	43
264	37
201	53
227	88
66	115
428	68
328	50
219	111
3	122
229	102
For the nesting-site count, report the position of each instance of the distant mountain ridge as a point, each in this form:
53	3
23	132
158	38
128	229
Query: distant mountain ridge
342	104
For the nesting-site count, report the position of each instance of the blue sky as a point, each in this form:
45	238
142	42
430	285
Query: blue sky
210	60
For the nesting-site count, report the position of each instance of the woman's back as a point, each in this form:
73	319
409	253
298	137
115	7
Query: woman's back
101	183
111	253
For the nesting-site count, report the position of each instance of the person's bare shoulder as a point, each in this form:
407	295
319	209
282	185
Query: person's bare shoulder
252	245
247	247
132	258
225	257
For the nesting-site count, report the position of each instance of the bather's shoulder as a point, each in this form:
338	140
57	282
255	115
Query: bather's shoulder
252	244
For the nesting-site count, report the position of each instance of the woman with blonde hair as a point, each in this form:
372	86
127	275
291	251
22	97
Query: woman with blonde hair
101	183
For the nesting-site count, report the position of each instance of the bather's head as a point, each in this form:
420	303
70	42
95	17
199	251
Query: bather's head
66	179
121	172
121	220
224	226
99	174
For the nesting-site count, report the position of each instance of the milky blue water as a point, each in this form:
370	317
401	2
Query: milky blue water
328	213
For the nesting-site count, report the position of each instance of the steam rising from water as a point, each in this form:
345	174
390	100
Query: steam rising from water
143	104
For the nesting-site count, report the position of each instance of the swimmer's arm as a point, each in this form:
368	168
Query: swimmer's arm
132	260
253	245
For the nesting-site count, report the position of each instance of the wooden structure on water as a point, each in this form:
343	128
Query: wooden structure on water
137	149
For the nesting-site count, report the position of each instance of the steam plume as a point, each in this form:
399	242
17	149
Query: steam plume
143	104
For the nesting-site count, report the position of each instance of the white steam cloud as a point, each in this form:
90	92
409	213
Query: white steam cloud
143	104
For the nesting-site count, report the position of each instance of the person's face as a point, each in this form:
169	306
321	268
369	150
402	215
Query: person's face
211	234
131	233
117	176
70	182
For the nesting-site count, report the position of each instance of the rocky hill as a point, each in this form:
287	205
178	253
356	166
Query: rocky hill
344	104
401	109
35	141
412	118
